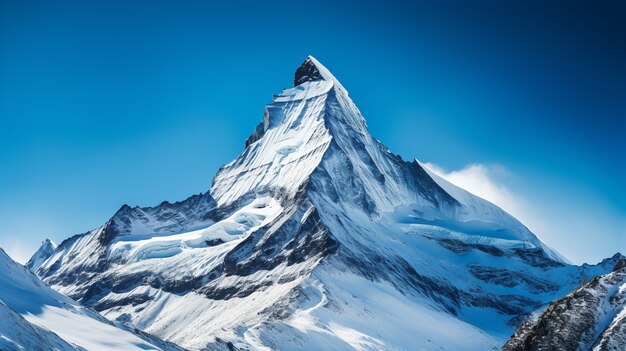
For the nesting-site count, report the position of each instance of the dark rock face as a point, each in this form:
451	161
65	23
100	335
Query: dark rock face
619	265
537	257
259	130
461	247
110	231
341	177
395	270
306	72
591	317
299	237
534	257
509	279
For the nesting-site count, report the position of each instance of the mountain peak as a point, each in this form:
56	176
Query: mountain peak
307	72
41	255
312	70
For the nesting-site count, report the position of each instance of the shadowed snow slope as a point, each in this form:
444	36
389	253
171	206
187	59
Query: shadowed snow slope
16	333
316	237
35	317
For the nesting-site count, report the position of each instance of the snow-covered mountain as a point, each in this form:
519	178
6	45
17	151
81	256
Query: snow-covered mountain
317	237
35	317
41	255
592	317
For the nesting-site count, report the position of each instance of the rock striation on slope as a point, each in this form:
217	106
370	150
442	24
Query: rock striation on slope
592	317
316	237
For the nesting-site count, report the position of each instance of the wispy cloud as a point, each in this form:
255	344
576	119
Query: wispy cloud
581	227
486	181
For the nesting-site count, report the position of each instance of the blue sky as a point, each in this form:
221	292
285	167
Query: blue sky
105	103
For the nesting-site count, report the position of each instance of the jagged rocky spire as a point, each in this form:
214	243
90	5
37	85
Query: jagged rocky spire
312	70
307	72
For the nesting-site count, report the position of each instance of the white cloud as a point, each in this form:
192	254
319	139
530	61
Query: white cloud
486	181
581	227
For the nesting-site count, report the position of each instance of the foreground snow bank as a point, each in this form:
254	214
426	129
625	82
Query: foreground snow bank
35	317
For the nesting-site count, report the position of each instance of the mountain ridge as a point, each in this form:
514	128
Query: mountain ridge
592	317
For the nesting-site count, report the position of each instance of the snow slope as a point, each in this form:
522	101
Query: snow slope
37	317
317	236
16	333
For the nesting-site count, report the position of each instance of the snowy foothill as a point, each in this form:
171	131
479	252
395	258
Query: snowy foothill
35	317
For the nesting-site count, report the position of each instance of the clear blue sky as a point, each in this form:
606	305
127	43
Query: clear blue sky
112	102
